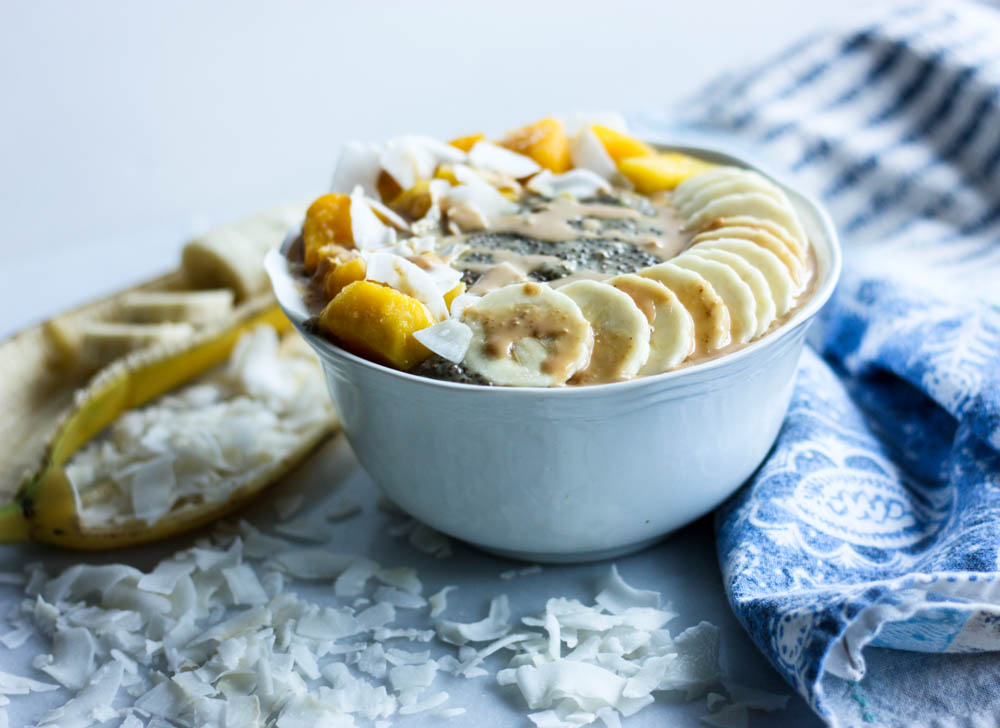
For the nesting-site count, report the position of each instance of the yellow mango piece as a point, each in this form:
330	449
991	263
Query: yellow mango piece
545	141
340	275
465	143
447	173
453	294
621	146
414	202
661	171
377	322
328	221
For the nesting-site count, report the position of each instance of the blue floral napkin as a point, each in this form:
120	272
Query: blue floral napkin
862	558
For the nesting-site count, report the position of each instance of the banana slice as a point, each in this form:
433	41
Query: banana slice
225	259
104	341
621	332
751	204
527	334
737	295
671	338
194	307
779	280
692	185
711	317
766	310
737	182
794	246
761	237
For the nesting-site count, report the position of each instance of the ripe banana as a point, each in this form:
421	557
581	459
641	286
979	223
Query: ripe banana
193	307
671	338
752	204
735	182
527	334
104	341
736	294
758	284
767	241
712	324
45	507
621	332
779	280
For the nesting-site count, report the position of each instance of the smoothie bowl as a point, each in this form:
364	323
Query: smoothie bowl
558	346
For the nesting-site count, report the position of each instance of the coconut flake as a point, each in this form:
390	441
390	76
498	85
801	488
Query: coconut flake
697	665
448	339
408	160
72	661
618	597
16	637
95	698
312	563
412	677
487	155
479	197
439	601
407	277
358	164
304	528
575	183
427	703
351	582
588	153
399	598
449	713
401	577
368	231
493	626
151	484
578	120
244	585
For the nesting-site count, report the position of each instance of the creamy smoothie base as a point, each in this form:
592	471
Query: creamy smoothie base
547	258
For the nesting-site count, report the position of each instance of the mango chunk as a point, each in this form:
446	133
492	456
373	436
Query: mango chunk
377	322
545	141
447	173
661	171
328	221
454	293
465	143
414	202
341	274
621	146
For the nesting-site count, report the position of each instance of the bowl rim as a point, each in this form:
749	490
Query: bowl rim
821	294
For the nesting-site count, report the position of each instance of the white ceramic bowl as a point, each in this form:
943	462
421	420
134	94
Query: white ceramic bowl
574	473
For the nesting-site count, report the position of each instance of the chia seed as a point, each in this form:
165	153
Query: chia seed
436	367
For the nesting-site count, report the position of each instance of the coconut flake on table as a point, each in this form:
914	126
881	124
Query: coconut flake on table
588	153
494	625
407	277
448	339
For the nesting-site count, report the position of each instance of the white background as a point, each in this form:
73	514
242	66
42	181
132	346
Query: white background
127	126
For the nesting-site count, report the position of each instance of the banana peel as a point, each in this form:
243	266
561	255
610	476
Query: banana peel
45	507
51	405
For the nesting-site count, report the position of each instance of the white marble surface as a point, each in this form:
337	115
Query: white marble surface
129	126
683	568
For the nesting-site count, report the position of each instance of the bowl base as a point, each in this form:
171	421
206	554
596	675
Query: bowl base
570	557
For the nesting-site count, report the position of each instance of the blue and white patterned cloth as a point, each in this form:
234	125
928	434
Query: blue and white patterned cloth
875	523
